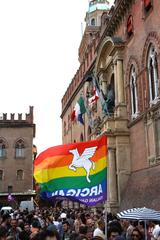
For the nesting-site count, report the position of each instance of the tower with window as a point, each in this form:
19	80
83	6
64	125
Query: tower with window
16	156
93	21
95	10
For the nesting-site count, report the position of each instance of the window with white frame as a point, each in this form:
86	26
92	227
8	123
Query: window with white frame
133	90
153	74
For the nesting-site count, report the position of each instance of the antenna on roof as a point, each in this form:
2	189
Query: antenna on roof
82	29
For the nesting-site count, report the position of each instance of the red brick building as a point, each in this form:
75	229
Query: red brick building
124	55
16	156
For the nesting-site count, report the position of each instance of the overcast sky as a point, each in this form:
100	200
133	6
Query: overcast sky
39	42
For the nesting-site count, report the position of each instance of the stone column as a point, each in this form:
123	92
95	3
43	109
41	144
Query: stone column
116	85
120	81
103	83
112	178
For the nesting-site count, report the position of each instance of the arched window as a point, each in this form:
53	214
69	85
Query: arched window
69	122
93	22
19	175
19	149
133	89
64	128
130	25
153	74
2	149
81	138
147	4
89	133
1	175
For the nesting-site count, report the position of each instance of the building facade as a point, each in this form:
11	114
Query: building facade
16	157
124	57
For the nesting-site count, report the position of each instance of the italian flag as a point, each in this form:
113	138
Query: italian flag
78	111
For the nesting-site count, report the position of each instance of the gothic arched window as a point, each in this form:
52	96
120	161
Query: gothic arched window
81	138
64	128
130	25
133	89
152	74
93	22
147	4
19	149
2	149
89	133
19	174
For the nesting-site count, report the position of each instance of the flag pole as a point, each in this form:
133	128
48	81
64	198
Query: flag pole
106	194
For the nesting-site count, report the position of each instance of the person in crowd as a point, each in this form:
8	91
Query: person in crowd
3	233
77	222
6	221
35	228
136	234
113	232
47	235
99	231
14	231
66	230
83	230
156	230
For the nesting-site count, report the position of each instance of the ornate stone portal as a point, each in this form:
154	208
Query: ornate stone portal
109	65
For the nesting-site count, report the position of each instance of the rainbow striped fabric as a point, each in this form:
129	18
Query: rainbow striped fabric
77	171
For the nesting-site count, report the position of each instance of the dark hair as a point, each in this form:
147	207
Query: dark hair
113	229
36	224
83	229
66	222
48	233
139	232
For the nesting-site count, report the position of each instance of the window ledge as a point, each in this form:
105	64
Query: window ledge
2	158
19	157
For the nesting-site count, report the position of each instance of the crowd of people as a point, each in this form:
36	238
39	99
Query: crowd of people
72	224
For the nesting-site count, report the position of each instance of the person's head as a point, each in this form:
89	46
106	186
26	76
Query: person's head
136	234
27	228
49	235
90	222
5	218
13	223
66	226
113	232
83	229
35	226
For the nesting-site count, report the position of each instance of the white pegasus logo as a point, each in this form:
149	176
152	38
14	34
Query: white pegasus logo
83	161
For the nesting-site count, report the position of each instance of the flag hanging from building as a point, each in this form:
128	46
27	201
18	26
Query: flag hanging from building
78	111
94	98
77	171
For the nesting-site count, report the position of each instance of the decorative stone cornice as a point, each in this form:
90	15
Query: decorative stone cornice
117	14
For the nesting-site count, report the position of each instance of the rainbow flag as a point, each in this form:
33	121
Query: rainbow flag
77	171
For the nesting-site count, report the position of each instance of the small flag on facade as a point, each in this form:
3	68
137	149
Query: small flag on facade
78	111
